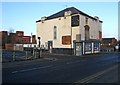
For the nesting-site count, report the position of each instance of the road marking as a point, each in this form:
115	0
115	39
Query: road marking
74	62
31	69
89	78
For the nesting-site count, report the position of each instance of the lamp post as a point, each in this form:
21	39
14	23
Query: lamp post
39	46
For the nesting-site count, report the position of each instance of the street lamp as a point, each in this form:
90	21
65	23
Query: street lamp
39	46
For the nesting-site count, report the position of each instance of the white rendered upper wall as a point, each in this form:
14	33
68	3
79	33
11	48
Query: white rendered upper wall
63	24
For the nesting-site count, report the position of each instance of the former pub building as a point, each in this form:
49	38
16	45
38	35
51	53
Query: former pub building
70	31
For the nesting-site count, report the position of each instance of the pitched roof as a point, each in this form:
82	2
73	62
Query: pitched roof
108	40
72	9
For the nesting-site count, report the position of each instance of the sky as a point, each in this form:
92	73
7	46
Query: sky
22	16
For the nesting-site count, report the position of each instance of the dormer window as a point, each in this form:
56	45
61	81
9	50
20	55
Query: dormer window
67	13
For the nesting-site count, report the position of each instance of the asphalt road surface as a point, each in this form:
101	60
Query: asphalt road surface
98	68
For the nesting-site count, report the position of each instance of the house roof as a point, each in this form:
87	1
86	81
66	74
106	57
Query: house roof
107	40
72	9
118	42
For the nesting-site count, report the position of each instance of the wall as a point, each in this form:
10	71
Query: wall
95	27
9	46
45	30
3	38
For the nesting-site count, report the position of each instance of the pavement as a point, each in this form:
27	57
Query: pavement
63	69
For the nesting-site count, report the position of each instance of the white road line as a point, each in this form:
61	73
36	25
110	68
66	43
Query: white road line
89	78
74	62
25	70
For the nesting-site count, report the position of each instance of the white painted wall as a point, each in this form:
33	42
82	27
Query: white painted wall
45	30
95	27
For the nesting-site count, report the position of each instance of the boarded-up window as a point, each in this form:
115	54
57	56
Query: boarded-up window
78	37
87	32
75	21
66	40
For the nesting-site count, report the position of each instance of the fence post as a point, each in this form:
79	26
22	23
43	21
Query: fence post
33	52
26	54
14	56
40	52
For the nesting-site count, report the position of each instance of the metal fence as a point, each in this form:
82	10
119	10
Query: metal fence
12	55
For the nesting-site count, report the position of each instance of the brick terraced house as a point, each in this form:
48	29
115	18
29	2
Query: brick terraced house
18	39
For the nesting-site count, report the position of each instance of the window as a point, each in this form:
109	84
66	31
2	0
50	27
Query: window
55	32
96	46
86	20
66	40
75	21
87	47
87	33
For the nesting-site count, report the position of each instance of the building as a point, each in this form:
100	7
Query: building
62	29
118	44
16	40
108	44
3	39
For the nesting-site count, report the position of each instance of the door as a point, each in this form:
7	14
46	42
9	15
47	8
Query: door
50	46
78	49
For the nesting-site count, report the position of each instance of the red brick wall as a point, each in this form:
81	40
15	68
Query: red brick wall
9	46
19	33
34	39
3	38
100	35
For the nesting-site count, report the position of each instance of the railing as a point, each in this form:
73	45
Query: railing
11	55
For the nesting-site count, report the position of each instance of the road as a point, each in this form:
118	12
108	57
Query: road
65	69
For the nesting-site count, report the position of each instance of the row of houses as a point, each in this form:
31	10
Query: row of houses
12	41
